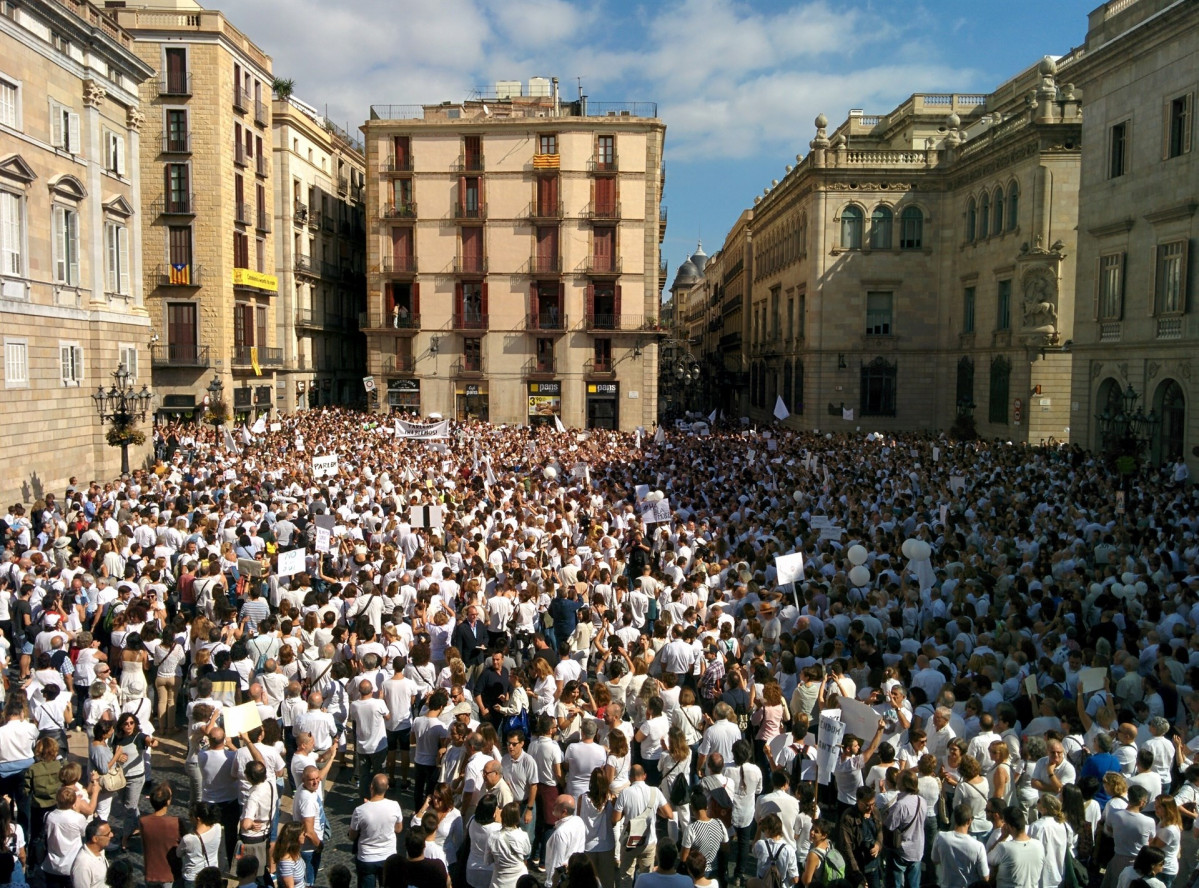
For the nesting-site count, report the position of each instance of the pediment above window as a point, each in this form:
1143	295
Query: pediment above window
14	167
69	187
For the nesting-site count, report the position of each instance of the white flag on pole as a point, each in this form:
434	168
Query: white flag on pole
712	415
558	424
230	444
260	426
245	435
780	409
659	435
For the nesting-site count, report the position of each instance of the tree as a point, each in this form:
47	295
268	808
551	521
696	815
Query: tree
283	87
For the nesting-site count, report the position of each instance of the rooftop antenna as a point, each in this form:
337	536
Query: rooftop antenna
580	80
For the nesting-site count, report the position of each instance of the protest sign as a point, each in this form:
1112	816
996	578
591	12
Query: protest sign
291	563
789	567
859	719
241	719
323	466
828	747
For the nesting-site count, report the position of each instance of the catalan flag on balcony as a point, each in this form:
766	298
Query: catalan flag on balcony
254	360
546	161
181	274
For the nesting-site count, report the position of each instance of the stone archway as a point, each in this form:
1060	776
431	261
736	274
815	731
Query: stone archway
1169	403
1108	399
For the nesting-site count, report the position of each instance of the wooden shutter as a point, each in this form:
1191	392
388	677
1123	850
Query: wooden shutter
483	299
416	299
75	147
462	195
562	305
1096	308
123	259
401	244
1153	281
57	115
64	363
605	196
616	306
482	198
589	302
459	308
1120	290
534	305
77	363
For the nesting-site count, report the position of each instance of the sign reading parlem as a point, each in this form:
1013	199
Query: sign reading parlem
323	466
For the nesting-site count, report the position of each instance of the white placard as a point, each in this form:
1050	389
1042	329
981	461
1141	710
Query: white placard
944	515
859	719
241	719
936	454
249	566
1030	685
425	516
831	532
1092	679
819	522
957	483
828	747
641	491
656	513
300	443
324	465
772	445
276	426
230	474
324	536
789	567
291	562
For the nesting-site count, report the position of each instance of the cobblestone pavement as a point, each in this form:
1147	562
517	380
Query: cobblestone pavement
340	801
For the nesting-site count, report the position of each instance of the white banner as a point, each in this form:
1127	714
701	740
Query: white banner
828	748
425	431
324	465
324	532
291	563
656	512
859	719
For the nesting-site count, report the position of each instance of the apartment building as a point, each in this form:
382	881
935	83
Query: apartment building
1135	329
513	257
208	251
71	306
319	208
915	266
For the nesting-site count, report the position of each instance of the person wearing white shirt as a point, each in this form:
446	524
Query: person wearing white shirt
90	867
961	859
369	716
374	825
582	758
638	803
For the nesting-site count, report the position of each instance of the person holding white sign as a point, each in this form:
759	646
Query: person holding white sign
848	771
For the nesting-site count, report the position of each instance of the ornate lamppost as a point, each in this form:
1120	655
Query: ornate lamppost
216	413
1129	432
124	406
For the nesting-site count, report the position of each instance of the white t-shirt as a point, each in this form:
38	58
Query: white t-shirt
64	838
398	694
376	823
581	760
370	720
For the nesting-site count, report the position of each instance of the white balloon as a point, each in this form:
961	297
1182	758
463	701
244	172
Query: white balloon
906	548
549	473
921	551
1128	578
1117	590
798	496
857	554
859	576
1141	587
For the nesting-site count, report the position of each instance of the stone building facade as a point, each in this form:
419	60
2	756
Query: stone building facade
208	252
319	208
1134	323
513	258
71	302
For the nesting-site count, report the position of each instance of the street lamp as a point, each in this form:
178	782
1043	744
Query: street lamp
1129	431
124	407
214	401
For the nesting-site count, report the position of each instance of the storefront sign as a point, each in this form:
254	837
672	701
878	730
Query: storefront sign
602	388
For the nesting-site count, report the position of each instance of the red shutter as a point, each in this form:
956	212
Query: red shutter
589	302
483	299
616	306
458	307
415	300
533	304
482	198
462	195
562	305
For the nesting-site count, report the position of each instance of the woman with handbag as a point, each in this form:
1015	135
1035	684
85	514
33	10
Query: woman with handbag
129	740
106	762
204	846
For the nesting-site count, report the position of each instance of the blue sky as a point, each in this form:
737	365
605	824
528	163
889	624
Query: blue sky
738	84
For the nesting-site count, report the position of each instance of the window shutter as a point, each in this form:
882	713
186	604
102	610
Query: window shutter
1153	281
1188	106
121	155
56	121
56	243
129	359
72	246
534	314
112	258
562	304
77	356
458	306
1120	289
64	362
123	259
416	299
1182	277
10	233
483	299
482	198
462	195
75	146
1096	308
616	307
589	302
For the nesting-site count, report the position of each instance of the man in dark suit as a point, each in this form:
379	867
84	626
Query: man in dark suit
470	637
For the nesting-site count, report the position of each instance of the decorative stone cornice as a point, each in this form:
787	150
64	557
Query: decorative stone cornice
93	93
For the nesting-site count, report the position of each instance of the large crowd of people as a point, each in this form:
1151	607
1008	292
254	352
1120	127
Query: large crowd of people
566	658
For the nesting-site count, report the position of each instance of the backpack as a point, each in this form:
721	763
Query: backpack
773	878
830	872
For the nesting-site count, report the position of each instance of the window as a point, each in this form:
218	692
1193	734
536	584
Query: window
16	363
802	330
878	388
1117	153
260	254
176	138
1169	278
881	221
911	229
965	382
851	228
127	355
64	128
968	310
997	212
66	246
472	353
605	152
71	363
1013	206
984	217
971	220
797	399
1178	127
547	143
1001	372
182	331
1003	310
176	68
878	313
241	249
114	153
178	184
1111	287
10	103
116	258
12	235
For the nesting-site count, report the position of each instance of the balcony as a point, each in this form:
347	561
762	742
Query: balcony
314	220
599	369
307	318
183	276
603	266
306	265
241	98
548	319
540	368
299	213
343	186
469	265
400	210
466	321
175	85
176	205
399	266
469	163
662	214
186	354
262	113
401	325
604	321
263	222
603	164
267	357
465	366
545	212
547	161
395	164
399	364
328	224
241	212
1169	327
239	154
177	144
545	265
260	167
476	213
603	212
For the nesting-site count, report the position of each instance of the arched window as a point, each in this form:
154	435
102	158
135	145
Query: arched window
851	228
878	393
971	220
881	221
1001	372
1013	205
1171	407
911	224
997	214
984	216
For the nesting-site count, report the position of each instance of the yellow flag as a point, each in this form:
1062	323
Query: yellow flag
254	360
